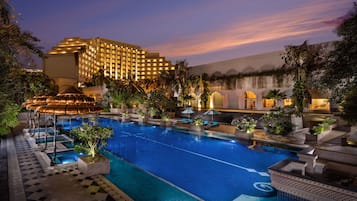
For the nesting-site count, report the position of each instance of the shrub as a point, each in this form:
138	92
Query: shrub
277	122
245	124
198	120
323	126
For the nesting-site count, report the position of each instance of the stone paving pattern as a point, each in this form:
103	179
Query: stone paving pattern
28	180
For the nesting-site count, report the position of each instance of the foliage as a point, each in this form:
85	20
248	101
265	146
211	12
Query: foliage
299	101
16	50
140	112
245	124
305	60
165	116
92	138
157	99
8	117
277	122
198	120
340	73
181	82
152	111
276	95
323	126
125	93
25	85
349	105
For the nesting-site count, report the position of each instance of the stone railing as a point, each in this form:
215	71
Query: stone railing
284	179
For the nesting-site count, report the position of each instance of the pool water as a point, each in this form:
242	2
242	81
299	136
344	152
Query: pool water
209	168
50	139
65	157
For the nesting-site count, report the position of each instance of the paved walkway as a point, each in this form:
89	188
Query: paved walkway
29	179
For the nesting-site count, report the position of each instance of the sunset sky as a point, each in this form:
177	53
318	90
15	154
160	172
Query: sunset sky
200	31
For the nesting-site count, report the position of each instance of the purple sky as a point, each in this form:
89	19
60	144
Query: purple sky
200	31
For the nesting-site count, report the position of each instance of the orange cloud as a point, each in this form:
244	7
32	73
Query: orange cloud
304	20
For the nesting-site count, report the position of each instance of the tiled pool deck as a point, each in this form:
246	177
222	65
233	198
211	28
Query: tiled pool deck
29	180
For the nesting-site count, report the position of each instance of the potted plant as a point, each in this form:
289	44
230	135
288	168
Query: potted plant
245	127
142	116
165	119
321	130
92	138
197	123
277	122
125	116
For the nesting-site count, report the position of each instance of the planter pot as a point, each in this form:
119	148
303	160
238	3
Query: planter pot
165	123
196	128
100	166
116	110
316	139
243	135
297	122
125	118
142	120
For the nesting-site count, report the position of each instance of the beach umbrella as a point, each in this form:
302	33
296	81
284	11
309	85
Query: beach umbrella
211	112
188	111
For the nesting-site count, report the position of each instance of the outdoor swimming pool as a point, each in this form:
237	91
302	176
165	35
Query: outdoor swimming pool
209	168
65	157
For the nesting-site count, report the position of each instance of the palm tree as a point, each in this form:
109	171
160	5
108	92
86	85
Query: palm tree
276	95
181	83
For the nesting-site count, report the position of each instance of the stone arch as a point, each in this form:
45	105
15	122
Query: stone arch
250	100
216	100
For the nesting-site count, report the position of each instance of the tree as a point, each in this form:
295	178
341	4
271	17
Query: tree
8	117
16	50
304	59
340	73
92	138
181	84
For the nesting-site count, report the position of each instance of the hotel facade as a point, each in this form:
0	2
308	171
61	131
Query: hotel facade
74	61
242	84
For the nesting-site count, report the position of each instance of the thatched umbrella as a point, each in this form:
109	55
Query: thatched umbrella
68	103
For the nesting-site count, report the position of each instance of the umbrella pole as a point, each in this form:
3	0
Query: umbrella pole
53	162
38	130
45	131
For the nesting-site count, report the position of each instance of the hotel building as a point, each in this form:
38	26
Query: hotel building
74	61
242	84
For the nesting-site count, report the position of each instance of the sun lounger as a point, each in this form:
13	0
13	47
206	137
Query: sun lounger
186	121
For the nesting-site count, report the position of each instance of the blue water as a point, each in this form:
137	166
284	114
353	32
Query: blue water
50	139
209	168
66	157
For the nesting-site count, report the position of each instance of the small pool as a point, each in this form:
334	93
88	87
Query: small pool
65	157
50	139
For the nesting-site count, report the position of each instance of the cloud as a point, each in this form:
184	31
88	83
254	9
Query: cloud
337	21
308	19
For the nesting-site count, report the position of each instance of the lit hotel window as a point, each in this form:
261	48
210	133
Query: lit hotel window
172	68
166	68
160	68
